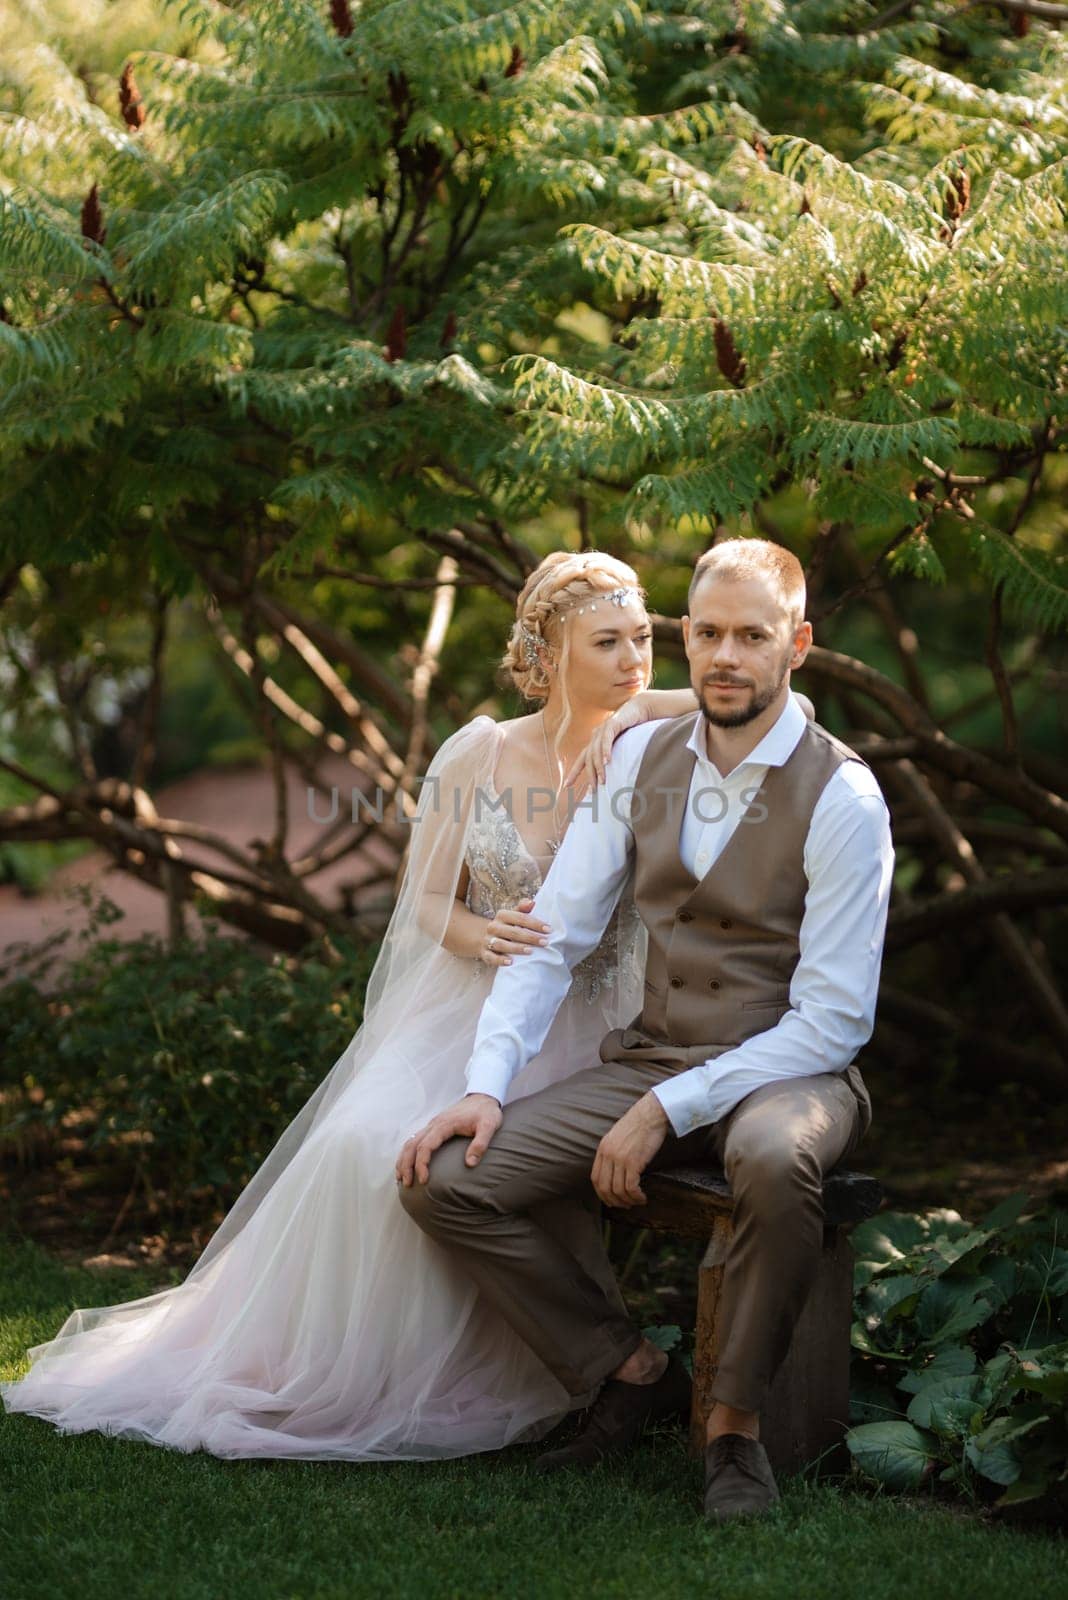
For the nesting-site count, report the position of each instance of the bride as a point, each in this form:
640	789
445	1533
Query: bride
320	1322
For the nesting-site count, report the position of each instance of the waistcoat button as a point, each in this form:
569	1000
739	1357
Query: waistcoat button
685	916
678	983
713	983
726	923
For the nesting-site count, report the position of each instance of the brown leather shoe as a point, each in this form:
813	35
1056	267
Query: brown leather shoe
619	1416
739	1481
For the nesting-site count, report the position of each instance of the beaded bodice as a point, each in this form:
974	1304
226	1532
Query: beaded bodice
503	871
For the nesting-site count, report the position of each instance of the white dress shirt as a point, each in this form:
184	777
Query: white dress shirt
848	861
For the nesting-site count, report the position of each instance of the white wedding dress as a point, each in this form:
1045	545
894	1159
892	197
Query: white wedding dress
320	1322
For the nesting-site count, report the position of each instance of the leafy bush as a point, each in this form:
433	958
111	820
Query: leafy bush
184	1063
962	1341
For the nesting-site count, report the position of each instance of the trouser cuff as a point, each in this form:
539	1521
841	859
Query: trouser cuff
594	1372
739	1393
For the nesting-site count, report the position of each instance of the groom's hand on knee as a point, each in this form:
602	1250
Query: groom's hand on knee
488	1118
625	1152
477	1115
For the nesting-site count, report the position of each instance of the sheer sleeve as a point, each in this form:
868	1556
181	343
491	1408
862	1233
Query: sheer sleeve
435	858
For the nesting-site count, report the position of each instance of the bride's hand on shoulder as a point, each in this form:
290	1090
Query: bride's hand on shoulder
476	1115
588	769
648	706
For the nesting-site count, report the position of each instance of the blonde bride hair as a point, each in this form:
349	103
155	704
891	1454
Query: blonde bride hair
559	586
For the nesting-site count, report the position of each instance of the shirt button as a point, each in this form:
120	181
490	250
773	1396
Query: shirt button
726	923
713	983
685	916
678	983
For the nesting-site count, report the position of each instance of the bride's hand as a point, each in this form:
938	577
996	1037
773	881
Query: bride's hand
511	933
477	1115
588	768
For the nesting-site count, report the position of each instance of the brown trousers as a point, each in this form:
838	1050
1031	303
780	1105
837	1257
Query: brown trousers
525	1222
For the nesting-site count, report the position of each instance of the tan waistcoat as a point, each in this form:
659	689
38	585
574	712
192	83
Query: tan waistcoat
722	948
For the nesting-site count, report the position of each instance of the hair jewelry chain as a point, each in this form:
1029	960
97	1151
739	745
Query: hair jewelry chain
531	641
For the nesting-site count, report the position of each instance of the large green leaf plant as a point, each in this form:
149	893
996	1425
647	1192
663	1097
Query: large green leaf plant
961	1346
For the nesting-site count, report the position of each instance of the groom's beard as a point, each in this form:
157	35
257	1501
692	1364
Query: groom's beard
759	700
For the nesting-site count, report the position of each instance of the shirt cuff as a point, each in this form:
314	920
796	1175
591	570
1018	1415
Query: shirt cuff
489	1077
677	1097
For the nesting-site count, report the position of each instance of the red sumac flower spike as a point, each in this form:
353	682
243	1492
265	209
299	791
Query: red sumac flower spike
516	64
448	333
341	17
92	220
730	363
962	189
130	103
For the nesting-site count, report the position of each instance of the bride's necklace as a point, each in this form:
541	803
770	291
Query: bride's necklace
555	842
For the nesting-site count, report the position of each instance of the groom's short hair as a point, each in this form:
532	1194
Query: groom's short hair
736	560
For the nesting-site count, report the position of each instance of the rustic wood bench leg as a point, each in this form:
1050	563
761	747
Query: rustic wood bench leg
808	1406
709	1332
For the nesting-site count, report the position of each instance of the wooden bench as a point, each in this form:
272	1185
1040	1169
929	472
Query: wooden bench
807	1411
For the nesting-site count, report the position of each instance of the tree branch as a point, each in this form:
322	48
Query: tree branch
903	639
868	579
935	747
453	542
140	844
455	243
922	1017
995	662
891	14
68	696
146	743
1045	9
372	580
305	720
393	769
1020	837
363	667
958	850
1020	891
427	665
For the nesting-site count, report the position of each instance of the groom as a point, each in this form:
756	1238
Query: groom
760	852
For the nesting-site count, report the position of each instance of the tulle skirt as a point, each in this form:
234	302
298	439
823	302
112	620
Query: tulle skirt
327	1326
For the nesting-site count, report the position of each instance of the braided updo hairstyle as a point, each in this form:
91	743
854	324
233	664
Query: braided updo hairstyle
558	585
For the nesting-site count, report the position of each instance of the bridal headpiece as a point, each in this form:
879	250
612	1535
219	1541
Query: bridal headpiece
531	642
624	596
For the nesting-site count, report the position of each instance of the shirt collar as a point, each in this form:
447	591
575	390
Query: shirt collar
774	750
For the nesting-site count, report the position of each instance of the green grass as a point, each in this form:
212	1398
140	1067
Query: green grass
108	1519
